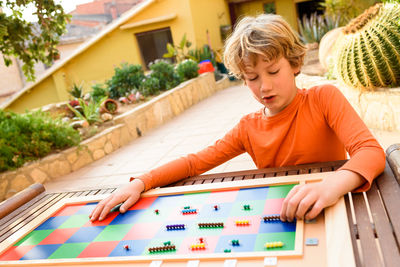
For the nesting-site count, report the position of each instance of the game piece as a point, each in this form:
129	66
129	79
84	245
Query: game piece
189	211
216	207
276	244
198	246
186	207
311	241
162	249
242	223
157	212
235	242
211	225
126	247
201	240
246	207
272	218
227	250
116	208
167	243
311	221
175	227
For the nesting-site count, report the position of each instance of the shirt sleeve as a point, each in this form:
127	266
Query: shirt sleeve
367	157
222	150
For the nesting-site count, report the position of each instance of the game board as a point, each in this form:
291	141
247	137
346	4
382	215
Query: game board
144	231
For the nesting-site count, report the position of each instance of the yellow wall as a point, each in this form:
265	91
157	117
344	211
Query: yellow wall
285	8
204	19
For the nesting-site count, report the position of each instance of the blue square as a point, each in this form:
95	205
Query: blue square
208	211
136	248
40	252
87	209
277	226
53	223
85	234
258	193
246	243
129	217
174	200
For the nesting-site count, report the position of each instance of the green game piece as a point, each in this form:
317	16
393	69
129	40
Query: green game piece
187	208
227	250
68	251
168	243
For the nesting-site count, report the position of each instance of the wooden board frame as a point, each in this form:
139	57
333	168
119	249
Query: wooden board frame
297	252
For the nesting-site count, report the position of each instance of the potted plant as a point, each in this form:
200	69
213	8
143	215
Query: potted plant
109	105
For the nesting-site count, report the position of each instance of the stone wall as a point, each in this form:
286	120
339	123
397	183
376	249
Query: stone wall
128	126
379	109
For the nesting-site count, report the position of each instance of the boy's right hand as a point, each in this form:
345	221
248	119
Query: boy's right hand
128	195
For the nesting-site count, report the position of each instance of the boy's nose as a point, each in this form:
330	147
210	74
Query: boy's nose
266	85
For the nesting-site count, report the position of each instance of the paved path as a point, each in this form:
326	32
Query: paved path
189	132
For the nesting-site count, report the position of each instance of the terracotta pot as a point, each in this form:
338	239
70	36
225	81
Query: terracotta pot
110	106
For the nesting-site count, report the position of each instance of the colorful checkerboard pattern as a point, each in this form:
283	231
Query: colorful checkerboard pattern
70	234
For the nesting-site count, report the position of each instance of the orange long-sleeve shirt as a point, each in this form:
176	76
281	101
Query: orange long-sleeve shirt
318	125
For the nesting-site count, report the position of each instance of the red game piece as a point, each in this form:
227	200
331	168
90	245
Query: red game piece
157	211
201	240
126	247
216	207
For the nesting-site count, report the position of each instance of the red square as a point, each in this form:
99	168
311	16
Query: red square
210	242
68	210
104	222
15	253
222	196
98	249
273	206
230	227
59	236
143	231
143	203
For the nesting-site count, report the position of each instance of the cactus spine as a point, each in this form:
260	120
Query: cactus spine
368	52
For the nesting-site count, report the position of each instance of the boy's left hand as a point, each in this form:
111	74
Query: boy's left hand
308	200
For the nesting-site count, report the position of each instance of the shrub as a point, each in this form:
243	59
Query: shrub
202	54
89	111
313	28
99	91
76	91
164	72
126	78
149	86
29	136
187	69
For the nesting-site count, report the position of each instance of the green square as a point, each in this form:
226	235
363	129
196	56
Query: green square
279	191
288	238
150	216
159	242
75	221
113	232
34	237
256	208
68	251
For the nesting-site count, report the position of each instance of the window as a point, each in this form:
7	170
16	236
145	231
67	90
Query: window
153	44
269	8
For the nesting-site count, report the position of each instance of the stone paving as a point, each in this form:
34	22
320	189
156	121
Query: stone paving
189	132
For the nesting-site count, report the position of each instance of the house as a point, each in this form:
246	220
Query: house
140	36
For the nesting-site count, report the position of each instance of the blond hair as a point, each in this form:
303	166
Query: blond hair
267	35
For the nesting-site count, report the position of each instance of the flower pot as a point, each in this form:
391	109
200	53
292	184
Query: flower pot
110	106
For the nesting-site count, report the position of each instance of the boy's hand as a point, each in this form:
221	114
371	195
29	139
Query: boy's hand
308	200
128	195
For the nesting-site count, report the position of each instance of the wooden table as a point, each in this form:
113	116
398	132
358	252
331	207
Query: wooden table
373	217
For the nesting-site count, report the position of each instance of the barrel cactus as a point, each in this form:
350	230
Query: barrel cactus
368	51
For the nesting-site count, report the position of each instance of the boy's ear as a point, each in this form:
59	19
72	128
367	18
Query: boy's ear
296	70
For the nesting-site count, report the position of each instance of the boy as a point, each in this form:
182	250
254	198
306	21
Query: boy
294	126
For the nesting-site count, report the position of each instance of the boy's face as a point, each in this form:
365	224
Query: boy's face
272	83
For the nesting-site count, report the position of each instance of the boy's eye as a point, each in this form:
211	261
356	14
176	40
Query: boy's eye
273	72
252	78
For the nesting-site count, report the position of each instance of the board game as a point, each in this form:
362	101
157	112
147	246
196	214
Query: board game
177	224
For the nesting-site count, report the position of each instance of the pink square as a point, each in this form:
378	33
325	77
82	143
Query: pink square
210	242
273	206
143	231
98	249
104	222
68	210
222	196
15	253
143	203
230	227
58	236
